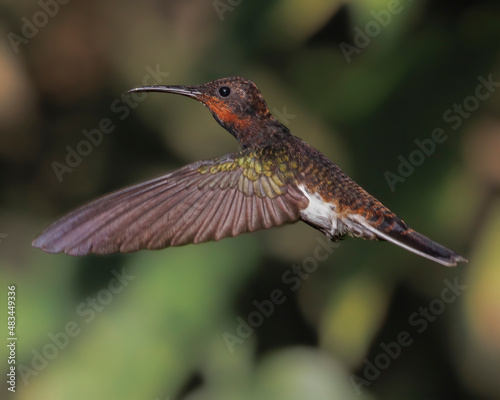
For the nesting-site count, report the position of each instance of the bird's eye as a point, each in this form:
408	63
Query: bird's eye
224	91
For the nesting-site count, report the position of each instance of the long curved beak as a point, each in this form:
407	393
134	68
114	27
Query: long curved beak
189	91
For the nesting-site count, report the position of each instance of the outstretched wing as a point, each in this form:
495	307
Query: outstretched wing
206	200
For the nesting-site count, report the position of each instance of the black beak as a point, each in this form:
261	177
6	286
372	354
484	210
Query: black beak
189	91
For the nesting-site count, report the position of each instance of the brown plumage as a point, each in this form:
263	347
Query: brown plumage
207	200
277	178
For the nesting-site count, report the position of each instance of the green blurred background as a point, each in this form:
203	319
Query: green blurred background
162	333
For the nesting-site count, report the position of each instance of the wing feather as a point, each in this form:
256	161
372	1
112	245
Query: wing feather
207	200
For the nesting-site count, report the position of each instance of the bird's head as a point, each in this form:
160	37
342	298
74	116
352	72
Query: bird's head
236	103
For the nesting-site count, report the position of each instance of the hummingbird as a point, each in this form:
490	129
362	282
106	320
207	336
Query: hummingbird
277	178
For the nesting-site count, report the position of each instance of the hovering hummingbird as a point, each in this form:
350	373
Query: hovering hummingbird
275	179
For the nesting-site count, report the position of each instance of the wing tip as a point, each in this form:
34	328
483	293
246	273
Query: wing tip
47	249
41	243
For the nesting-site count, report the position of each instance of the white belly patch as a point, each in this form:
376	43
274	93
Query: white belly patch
320	213
333	224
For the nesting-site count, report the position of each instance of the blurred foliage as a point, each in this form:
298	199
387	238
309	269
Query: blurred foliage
165	334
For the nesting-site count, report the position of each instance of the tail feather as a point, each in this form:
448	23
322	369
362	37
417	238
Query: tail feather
399	234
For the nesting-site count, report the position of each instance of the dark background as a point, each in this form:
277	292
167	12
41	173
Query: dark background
163	333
